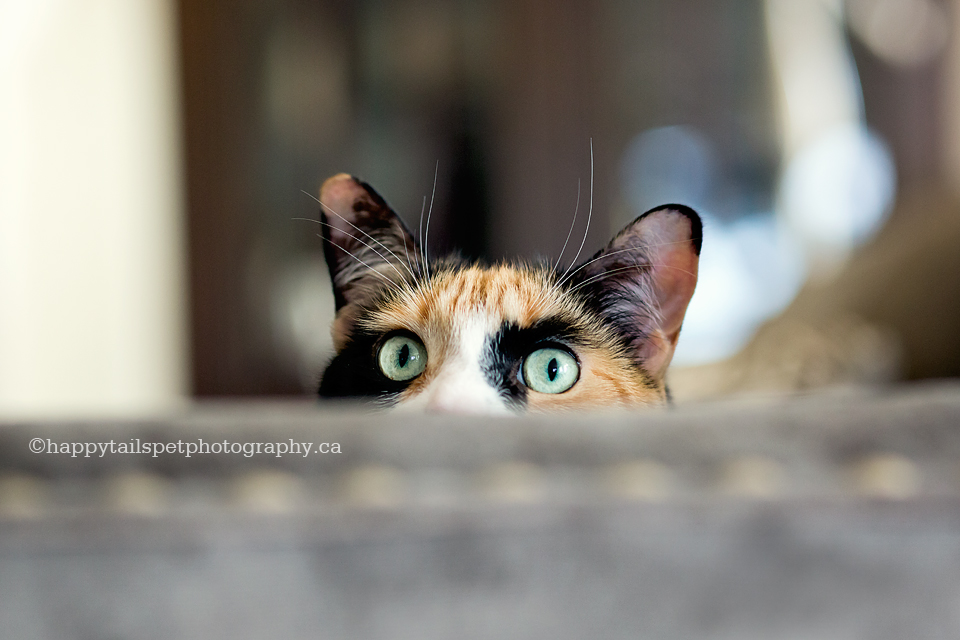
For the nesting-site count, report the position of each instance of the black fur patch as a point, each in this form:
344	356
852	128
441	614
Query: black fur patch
602	297
504	353
355	371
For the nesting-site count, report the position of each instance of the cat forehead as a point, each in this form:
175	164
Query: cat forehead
500	294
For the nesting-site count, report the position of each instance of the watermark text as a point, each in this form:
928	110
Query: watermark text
186	448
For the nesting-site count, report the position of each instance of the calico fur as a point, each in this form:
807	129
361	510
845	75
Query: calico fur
618	313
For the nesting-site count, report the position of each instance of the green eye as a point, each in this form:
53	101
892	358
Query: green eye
550	370
402	358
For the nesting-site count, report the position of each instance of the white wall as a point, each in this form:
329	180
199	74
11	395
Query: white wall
92	295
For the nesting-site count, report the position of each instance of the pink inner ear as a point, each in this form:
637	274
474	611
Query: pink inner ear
674	262
339	193
675	266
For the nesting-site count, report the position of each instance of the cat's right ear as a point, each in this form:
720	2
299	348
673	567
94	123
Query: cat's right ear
366	243
643	280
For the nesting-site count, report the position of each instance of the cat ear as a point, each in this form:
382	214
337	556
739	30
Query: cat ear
643	280
366	244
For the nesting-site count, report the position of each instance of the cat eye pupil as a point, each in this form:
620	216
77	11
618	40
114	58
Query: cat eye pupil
552	369
402	358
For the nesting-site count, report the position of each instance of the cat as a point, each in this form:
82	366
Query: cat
451	336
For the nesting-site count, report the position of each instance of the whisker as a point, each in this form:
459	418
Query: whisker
638	267
576	209
409	264
353	237
613	253
426	240
355	227
423	208
590	212
373	271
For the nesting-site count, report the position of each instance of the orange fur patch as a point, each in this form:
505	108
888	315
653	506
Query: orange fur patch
455	297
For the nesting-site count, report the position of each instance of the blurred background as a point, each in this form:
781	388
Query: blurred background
159	162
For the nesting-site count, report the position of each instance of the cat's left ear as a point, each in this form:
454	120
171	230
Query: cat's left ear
366	243
643	280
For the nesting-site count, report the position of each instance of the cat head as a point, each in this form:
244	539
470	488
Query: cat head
451	336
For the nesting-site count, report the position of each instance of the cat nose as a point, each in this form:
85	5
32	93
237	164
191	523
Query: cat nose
465	400
455	406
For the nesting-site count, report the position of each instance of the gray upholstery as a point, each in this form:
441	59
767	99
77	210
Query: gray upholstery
829	516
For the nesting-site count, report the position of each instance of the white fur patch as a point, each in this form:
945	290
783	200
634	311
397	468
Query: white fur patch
460	385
